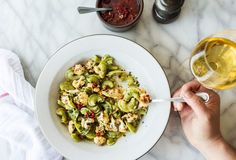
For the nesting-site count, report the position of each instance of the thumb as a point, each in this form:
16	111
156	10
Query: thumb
195	102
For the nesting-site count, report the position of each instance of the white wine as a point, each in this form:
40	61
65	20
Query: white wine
213	63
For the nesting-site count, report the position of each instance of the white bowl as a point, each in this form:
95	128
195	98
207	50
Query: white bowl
133	58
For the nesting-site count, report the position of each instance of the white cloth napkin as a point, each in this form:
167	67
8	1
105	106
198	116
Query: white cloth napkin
18	125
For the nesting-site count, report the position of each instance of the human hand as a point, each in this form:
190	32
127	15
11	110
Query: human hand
200	121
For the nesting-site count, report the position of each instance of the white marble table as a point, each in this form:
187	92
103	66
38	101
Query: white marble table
36	29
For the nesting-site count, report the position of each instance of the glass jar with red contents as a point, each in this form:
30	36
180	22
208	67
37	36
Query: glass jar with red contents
123	16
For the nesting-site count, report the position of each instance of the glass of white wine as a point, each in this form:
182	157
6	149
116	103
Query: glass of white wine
213	61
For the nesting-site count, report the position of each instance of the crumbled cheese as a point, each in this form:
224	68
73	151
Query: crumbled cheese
99	140
130	117
82	98
71	127
90	85
73	91
65	99
79	69
86	123
103	118
79	83
90	65
112	126
144	100
94	88
122	127
100	130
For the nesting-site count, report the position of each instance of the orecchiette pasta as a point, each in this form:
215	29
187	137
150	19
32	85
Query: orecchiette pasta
95	104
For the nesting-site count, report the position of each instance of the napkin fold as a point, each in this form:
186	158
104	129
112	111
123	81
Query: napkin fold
18	125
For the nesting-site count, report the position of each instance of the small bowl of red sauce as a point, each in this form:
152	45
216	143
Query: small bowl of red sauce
124	15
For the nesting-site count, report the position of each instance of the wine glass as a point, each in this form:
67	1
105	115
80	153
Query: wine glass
213	61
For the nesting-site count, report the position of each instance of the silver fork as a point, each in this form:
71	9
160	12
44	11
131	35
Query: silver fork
205	97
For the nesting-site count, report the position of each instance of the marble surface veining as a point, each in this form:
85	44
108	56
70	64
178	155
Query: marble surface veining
36	29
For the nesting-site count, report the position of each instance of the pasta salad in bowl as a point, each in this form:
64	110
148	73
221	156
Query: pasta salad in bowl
100	101
82	99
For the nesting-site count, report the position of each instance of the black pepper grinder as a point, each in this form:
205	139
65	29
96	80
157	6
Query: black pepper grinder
166	11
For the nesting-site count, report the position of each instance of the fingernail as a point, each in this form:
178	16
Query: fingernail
188	94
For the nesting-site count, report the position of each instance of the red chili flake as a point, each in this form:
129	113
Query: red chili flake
79	106
81	136
94	85
121	97
87	115
90	114
98	134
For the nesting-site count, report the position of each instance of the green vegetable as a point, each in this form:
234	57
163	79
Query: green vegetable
84	111
90	135
73	114
107	84
132	81
75	137
69	75
101	70
71	104
94	99
100	108
127	106
131	93
93	79
95	109
113	67
80	129
107	59
111	141
142	111
96	59
62	113
115	73
113	135
59	102
66	85
131	128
